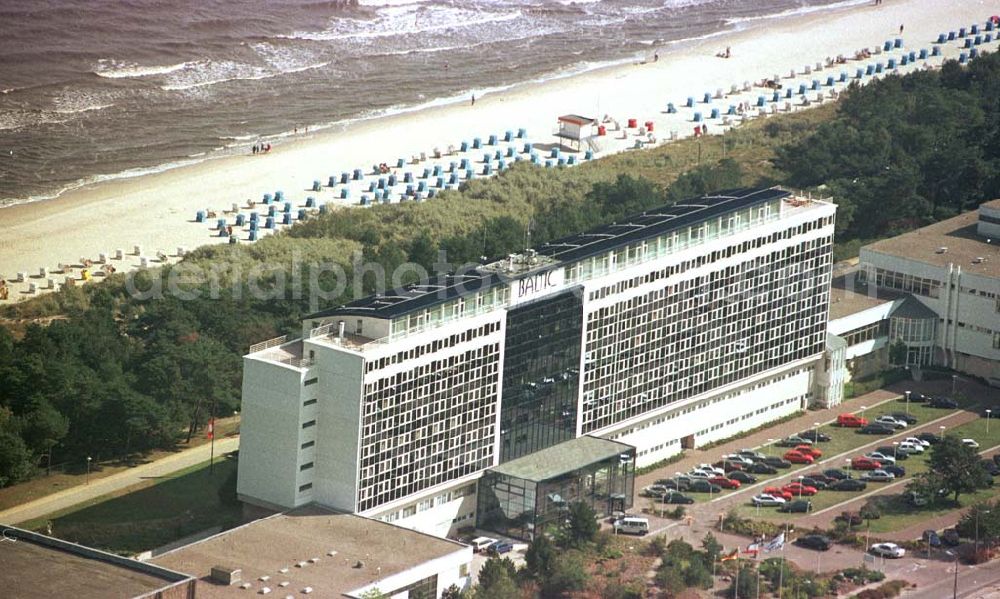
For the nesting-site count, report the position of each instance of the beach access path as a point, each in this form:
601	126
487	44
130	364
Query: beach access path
157	211
117	482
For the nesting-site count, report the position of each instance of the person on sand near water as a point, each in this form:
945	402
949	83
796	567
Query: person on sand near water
901	29
656	56
473	99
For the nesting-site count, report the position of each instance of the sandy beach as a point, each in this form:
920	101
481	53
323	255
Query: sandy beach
157	212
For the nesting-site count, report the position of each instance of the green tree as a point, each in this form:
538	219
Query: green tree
540	556
712	548
374	593
423	251
897	353
15	459
503	588
984	518
568	573
957	467
494	570
745	582
583	524
869	511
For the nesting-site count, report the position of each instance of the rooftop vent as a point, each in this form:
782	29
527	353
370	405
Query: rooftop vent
941	250
226	575
978	260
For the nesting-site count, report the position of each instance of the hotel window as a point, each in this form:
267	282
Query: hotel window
306	466
309	424
307	444
305	487
309	402
311	381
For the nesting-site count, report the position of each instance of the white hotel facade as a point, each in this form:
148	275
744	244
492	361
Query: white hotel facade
674	328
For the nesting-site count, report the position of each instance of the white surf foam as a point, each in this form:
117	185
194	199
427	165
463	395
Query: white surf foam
113	69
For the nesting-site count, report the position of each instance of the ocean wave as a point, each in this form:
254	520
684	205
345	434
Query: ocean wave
82	109
231	71
794	12
401	24
112	69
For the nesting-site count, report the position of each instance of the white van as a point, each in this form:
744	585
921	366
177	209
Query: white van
480	544
632	526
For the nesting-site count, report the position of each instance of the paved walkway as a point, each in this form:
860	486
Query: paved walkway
99	487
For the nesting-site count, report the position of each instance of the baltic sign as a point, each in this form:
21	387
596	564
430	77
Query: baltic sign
536	284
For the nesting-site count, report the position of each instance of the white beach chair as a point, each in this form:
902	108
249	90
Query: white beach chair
734	89
791	74
788	106
808	70
746	86
718	93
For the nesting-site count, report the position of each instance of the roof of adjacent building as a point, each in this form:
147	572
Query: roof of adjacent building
288	541
631	229
567	456
34	566
964	247
913	309
847	296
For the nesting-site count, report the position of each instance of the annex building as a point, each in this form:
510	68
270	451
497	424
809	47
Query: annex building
935	291
669	329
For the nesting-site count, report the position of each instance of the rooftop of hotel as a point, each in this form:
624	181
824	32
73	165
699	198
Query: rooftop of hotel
952	241
291	540
34	566
631	229
567	456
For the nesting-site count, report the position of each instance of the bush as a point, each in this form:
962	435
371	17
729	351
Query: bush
860	576
736	524
886	591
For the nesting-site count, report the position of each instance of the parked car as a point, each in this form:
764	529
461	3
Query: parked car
910	447
890	550
851	421
931	538
849	484
880	457
895	470
725	483
703	486
820	477
765	500
739	459
815	436
797	457
799	506
778	492
798	489
889	420
907	418
500	548
951	537
865	463
632	525
744	477
817	542
730	466
876	428
809	450
929	438
812	482
763	468
793	441
702	474
918	441
943	402
991	467
752	455
777	462
674	497
836	473
481	544
916	398
653	491
970	443
879	476
892	451
709	468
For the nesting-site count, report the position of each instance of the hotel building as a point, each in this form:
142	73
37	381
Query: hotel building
620	346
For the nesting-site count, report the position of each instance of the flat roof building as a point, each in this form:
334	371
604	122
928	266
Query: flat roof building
316	551
34	566
668	329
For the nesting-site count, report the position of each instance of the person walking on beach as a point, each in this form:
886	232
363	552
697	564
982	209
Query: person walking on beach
901	29
473	99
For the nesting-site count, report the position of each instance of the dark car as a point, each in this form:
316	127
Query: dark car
876	428
907	418
991	467
929	437
848	484
815	436
817	542
730	466
792	441
819	476
743	477
703	486
951	537
836	474
931	538
677	498
996	459
777	462
762	468
819	485
887	450
943	402
916	397
799	506
895	470
994	412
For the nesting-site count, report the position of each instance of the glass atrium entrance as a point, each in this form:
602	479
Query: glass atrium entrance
523	497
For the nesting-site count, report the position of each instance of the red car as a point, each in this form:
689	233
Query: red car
797	489
725	483
809	450
863	463
797	457
776	492
851	421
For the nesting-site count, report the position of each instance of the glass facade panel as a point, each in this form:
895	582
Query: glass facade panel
540	375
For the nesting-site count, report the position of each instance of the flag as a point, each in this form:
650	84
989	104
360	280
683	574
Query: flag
752	549
210	431
777	542
734	555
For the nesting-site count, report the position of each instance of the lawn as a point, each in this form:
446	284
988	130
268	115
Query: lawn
152	514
